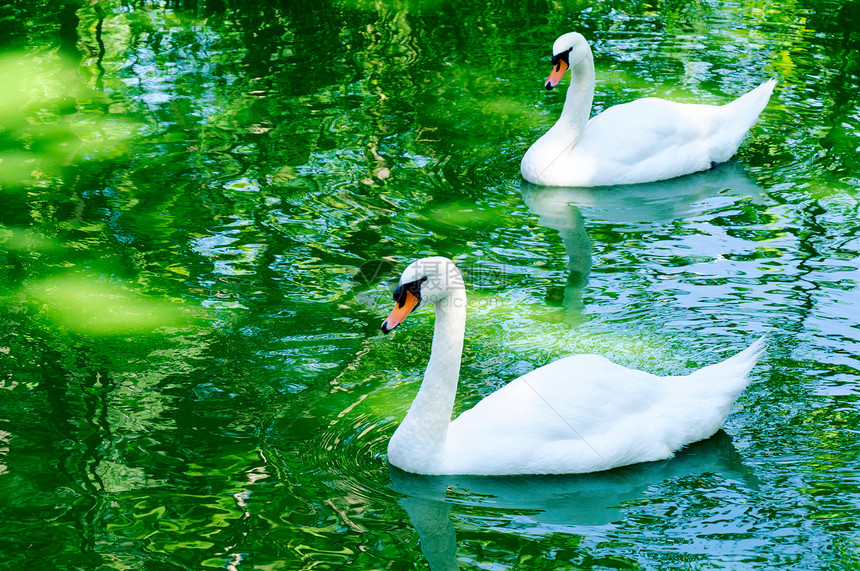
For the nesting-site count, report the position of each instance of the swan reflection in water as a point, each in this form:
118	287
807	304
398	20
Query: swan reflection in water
636	206
552	504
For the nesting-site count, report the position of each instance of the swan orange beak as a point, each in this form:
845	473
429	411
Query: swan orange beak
401	310
556	74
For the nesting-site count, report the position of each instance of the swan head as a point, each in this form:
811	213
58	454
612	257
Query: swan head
425	281
568	50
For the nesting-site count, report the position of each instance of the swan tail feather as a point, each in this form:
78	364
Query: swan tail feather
709	393
732	374
751	104
733	120
745	110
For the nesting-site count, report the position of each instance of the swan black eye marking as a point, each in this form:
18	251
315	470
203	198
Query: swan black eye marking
412	287
561	57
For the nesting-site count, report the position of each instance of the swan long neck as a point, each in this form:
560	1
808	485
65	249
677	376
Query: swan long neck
580	95
419	441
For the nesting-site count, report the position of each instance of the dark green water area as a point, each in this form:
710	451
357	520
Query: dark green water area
205	206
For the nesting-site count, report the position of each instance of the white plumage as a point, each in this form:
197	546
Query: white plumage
579	414
642	141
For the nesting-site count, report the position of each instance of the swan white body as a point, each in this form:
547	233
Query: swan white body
645	140
578	414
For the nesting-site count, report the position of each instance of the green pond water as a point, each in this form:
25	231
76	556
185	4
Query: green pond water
205	206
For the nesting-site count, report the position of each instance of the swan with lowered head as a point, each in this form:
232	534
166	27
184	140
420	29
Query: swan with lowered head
579	414
645	140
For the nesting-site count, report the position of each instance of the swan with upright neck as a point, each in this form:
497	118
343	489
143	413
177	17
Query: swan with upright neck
578	414
644	140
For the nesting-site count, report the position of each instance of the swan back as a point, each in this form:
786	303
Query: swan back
584	413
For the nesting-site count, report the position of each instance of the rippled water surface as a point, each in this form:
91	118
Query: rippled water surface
206	205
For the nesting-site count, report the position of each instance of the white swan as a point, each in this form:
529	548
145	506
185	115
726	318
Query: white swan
642	141
578	414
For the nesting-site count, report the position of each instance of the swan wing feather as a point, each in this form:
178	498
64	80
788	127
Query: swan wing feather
572	415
